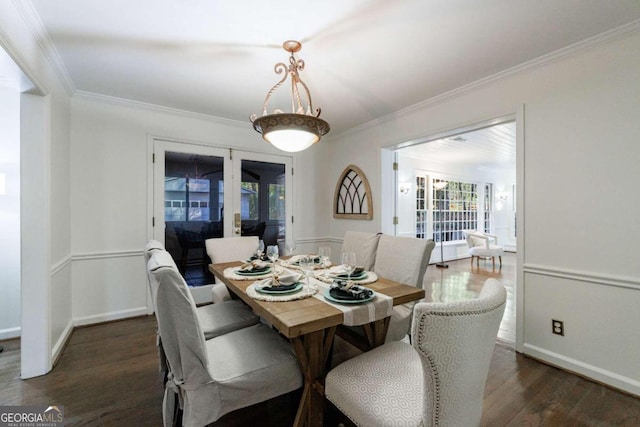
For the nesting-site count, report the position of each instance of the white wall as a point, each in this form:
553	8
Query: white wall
579	194
45	215
10	213
110	183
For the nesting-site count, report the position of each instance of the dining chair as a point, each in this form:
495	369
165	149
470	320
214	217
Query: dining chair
438	380
210	378
364	245
227	249
403	260
214	319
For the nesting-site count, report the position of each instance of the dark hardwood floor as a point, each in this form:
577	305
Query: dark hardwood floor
108	376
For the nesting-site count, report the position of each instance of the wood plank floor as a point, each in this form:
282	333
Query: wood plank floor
108	376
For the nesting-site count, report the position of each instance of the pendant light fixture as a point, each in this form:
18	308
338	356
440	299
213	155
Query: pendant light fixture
301	128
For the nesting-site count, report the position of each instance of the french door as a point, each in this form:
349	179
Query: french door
202	192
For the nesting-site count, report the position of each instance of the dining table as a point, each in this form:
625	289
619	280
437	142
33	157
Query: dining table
310	324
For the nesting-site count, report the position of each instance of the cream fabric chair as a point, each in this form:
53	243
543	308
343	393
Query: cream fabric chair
214	377
227	249
404	260
483	245
364	245
214	319
438	380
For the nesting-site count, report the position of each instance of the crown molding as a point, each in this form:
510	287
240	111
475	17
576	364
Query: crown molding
48	48
567	51
145	106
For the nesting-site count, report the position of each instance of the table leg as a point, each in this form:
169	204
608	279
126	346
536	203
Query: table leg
312	351
376	332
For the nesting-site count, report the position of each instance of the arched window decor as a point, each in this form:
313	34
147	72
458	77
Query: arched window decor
352	198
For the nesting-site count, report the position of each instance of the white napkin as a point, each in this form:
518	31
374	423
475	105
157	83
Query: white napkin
285	279
249	266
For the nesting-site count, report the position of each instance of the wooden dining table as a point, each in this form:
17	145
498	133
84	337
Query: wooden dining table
310	324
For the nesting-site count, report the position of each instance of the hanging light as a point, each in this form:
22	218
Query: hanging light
300	129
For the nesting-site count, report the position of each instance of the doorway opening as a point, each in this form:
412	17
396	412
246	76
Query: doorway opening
477	166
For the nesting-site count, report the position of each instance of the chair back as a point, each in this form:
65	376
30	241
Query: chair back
455	342
479	239
403	259
227	249
182	337
152	245
364	245
158	258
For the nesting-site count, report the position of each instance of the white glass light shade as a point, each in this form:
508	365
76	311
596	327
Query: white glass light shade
291	132
291	140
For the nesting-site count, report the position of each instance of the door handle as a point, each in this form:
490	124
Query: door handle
237	222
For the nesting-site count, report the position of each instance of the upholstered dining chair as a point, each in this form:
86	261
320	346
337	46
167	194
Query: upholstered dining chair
404	260
483	245
214	319
227	249
438	380
364	245
214	377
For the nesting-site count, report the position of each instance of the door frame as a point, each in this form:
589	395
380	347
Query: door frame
157	146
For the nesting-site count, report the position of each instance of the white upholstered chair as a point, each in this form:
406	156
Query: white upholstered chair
404	260
483	245
214	377
227	249
438	380
364	245
214	319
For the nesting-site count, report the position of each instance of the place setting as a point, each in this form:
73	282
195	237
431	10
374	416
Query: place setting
251	270
282	285
342	288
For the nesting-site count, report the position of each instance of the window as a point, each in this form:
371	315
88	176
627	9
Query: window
276	202
455	208
250	208
186	199
488	207
421	207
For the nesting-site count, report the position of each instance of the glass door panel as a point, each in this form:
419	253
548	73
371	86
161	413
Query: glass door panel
189	198
263	197
193	211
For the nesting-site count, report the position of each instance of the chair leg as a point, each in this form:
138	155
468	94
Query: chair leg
493	262
478	261
500	258
471	261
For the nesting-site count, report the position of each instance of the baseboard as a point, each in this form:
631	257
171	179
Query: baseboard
9	333
59	346
585	370
107	317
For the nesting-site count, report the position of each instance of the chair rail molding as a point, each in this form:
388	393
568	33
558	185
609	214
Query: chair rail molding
583	276
107	254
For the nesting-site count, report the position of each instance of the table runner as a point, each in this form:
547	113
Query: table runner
358	314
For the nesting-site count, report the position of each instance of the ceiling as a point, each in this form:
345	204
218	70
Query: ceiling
365	59
487	150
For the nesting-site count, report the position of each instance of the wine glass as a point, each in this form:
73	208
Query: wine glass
325	255
260	249
291	247
306	264
273	254
349	263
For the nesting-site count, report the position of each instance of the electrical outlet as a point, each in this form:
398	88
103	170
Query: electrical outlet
557	327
